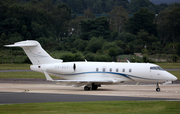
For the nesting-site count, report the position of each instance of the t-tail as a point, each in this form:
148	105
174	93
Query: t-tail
35	52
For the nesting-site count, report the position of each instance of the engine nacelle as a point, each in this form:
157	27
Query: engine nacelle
62	68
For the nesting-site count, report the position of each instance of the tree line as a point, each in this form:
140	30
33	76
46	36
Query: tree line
105	6
57	27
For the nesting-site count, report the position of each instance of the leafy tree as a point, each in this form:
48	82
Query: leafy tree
61	17
169	24
95	44
99	27
161	7
106	47
143	19
118	17
126	37
3	37
88	14
89	57
145	38
74	25
113	52
80	44
178	49
135	5
104	58
114	35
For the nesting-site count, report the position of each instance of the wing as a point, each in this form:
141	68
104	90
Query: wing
77	83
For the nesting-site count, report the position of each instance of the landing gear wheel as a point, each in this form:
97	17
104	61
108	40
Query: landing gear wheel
158	89
86	88
94	87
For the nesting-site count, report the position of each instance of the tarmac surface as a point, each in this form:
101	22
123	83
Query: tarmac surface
20	92
40	90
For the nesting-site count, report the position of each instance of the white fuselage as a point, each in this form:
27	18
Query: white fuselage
116	72
91	74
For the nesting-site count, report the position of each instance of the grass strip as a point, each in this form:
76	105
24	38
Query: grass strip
175	73
99	107
15	66
29	75
169	65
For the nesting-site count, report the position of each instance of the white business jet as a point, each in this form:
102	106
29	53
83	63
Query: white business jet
91	75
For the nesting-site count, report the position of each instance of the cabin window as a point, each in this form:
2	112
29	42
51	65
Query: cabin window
110	69
130	70
117	69
104	70
123	70
39	66
97	69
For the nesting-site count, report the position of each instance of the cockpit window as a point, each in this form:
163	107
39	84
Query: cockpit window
156	68
153	68
159	68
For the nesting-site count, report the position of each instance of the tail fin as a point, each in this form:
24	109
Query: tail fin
35	52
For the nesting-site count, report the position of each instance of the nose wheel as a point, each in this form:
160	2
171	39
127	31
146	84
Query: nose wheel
158	87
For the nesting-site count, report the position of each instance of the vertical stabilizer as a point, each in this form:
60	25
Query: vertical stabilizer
35	52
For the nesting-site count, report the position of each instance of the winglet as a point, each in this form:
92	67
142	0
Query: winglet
48	78
128	61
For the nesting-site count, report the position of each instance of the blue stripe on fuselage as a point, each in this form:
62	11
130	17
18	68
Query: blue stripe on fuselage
121	74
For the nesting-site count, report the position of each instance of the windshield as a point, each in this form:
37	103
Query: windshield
156	68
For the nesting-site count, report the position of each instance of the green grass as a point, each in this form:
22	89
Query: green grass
169	65
175	73
15	66
29	75
100	107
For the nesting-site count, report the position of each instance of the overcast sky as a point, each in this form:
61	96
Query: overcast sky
164	1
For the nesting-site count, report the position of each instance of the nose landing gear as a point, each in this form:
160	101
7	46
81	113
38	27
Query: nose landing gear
158	87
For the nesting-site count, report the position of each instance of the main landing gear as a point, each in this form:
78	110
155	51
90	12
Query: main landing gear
92	86
158	87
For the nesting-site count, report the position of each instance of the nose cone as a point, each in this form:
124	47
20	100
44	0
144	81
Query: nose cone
171	77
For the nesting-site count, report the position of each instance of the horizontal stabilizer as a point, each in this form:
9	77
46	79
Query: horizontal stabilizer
21	45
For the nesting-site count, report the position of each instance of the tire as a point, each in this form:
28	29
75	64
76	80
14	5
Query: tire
158	89
86	88
94	87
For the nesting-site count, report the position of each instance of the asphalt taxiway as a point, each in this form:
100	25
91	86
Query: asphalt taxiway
21	92
40	90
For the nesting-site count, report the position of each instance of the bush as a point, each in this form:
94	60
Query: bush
89	57
72	57
27	60
175	58
95	44
102	58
